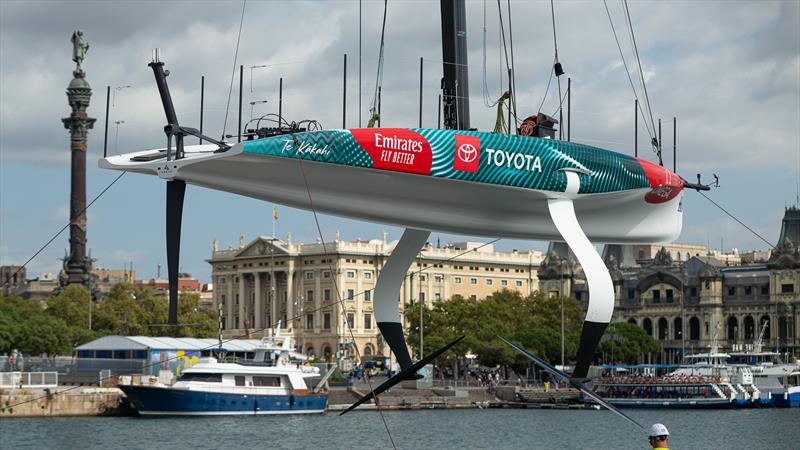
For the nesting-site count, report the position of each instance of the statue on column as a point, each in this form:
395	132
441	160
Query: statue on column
79	49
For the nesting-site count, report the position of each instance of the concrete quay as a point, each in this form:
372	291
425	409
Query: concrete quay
60	402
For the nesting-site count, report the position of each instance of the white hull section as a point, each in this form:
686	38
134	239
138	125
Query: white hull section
415	201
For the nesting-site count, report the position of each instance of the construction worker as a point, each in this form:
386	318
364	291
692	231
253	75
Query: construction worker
659	437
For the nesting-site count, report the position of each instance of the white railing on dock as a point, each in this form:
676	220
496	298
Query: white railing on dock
28	379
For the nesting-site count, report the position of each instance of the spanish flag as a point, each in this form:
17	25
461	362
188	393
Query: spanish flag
275	213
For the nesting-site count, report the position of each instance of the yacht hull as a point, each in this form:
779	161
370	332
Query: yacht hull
505	193
160	401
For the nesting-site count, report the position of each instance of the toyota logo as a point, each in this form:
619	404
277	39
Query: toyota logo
467	153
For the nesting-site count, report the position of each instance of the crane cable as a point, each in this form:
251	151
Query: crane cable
341	299
41	249
374	116
628	72
655	140
233	72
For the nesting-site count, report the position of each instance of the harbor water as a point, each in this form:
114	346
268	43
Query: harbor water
440	429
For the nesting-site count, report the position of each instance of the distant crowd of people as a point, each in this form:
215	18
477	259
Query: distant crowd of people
13	362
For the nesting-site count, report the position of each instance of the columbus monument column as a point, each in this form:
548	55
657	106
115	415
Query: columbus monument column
78	123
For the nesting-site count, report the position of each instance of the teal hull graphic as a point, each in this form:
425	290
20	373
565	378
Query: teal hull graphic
514	161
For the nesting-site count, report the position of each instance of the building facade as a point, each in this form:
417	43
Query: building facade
686	297
322	291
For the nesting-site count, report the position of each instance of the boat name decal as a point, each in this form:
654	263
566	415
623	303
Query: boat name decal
304	148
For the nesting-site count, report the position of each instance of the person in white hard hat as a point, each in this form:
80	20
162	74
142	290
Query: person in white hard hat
659	437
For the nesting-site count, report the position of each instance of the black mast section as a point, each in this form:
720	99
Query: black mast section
455	84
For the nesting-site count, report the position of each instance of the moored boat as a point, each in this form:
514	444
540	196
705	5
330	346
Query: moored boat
269	384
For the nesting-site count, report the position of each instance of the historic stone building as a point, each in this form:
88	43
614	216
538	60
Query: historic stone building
684	297
268	280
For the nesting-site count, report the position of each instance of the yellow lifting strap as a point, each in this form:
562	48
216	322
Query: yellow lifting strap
500	123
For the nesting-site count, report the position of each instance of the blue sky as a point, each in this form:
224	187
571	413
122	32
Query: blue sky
730	72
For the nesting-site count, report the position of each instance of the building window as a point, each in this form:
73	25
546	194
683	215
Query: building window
351	320
351	274
473	297
457	280
368	275
670	296
423	277
731	291
222	299
367	296
326	295
237	301
437	297
693	292
473	281
350	294
519	283
309	321
631	293
503	282
309	275
765	290
326	274
489	282
236	322
422	297
367	321
437	279
326	321
748	290
656	296
309	296
787	288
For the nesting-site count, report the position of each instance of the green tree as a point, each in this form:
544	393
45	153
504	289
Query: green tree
626	342
533	321
71	306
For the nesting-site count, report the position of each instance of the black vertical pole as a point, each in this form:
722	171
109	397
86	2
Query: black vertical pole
636	128
674	144
344	92
420	92
379	106
105	140
280	103
202	100
241	75
569	107
510	95
660	157
439	114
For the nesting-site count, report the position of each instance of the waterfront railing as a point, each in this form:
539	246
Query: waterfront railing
28	379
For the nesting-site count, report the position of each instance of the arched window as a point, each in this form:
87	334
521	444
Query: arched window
767	331
368	350
647	326
663	329
733	328
677	326
632	320
326	351
694	329
749	327
310	350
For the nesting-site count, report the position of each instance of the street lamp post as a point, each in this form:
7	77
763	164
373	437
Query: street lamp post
116	134
253	103
114	95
